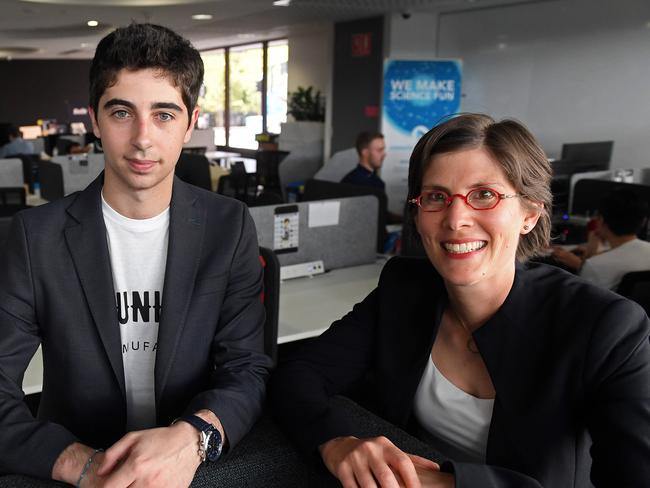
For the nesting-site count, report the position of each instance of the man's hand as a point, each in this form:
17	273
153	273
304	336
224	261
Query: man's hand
71	461
166	456
374	462
567	258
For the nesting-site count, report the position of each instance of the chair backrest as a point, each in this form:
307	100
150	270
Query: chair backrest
30	168
5	224
12	200
636	286
271	300
267	169
266	198
50	176
235	184
194	169
340	164
11	172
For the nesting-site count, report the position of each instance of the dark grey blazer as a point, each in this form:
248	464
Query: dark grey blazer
570	363
56	289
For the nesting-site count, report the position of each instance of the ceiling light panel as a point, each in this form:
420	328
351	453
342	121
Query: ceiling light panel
121	3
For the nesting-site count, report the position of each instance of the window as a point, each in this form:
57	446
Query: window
245	92
277	85
212	101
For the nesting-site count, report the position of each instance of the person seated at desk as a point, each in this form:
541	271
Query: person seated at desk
372	151
522	374
622	216
143	291
16	145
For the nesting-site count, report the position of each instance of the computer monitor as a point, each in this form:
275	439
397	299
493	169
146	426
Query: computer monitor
587	194
31	131
584	156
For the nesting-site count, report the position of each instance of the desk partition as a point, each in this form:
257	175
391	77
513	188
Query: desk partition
11	173
339	232
79	170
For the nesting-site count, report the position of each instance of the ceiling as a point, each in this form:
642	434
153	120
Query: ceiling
44	29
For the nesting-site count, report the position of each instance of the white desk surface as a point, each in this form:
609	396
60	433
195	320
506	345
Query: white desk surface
308	306
34	201
221	154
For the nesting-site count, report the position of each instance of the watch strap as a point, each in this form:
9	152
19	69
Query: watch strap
197	422
210	441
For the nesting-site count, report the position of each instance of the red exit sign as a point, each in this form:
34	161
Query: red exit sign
361	44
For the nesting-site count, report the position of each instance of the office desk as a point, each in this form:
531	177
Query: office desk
308	306
34	201
266	459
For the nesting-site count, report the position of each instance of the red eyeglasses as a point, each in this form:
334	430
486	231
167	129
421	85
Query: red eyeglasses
478	199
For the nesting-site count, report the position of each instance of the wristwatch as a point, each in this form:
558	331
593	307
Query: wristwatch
210	441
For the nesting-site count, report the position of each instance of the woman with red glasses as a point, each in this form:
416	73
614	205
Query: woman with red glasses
521	374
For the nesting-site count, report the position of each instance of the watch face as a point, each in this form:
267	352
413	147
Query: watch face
214	446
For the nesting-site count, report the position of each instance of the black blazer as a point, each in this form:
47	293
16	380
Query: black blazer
56	289
570	362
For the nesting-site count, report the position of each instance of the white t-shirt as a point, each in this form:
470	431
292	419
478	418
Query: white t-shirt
138	250
451	415
607	269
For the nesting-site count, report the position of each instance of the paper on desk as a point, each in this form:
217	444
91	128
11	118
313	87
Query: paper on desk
322	214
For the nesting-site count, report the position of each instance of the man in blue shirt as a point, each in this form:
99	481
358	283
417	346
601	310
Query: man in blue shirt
372	151
16	145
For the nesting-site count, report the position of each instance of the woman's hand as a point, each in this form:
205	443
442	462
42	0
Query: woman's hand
375	462
435	479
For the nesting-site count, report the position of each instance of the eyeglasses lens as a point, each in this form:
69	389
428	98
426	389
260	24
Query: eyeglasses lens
479	199
482	198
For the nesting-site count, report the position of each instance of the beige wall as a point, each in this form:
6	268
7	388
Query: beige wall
310	64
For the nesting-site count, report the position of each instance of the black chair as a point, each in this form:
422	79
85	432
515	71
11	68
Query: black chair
266	198
50	176
30	169
326	190
636	286
194	169
271	300
63	145
12	200
236	184
267	173
5	224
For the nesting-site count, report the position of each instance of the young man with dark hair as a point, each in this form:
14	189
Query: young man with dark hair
372	151
622	216
143	291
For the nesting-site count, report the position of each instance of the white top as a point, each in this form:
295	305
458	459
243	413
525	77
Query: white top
138	250
607	269
452	415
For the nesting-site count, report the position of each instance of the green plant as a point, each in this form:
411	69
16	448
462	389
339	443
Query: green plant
303	105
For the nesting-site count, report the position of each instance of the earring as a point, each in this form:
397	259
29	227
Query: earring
526	227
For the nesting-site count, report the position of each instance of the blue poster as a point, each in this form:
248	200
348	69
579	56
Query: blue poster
417	95
420	93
